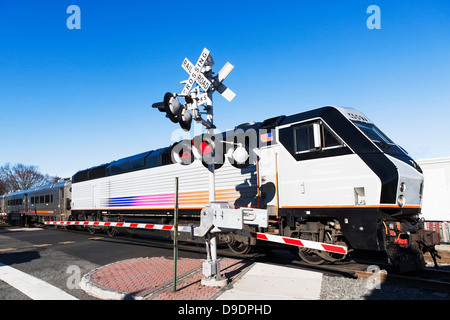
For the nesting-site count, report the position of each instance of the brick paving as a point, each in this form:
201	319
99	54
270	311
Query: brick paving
152	278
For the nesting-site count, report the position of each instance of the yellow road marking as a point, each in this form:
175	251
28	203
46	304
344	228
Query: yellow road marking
7	249
96	238
43	245
66	242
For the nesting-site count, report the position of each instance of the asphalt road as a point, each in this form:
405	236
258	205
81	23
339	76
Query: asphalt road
60	258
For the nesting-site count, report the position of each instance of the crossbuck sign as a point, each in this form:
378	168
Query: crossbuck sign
196	75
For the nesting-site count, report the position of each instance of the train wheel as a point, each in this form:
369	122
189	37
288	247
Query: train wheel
310	256
239	247
329	256
92	230
332	257
317	257
112	232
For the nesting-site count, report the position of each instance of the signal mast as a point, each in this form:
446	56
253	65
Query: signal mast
198	90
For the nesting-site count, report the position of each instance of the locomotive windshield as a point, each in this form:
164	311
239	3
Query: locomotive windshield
380	139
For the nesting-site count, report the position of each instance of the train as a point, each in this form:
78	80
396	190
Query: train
328	175
38	204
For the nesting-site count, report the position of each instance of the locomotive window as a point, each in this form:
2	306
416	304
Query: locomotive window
373	132
304	138
329	139
47	198
380	139
41	199
315	136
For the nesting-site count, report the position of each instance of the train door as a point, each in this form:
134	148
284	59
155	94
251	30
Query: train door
25	203
61	208
95	197
268	179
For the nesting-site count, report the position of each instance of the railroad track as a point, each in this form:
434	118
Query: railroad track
432	279
445	257
428	278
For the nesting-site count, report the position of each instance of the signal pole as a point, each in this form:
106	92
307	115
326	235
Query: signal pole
209	118
201	77
211	264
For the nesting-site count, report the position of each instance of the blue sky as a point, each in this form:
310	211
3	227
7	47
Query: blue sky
73	99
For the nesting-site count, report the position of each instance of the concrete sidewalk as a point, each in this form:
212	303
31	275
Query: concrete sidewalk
269	282
152	279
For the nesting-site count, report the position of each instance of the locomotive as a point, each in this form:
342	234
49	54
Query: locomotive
327	175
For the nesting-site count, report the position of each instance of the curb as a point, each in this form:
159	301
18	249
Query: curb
98	291
188	284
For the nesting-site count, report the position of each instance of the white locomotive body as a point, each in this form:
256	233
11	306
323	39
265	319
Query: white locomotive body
326	175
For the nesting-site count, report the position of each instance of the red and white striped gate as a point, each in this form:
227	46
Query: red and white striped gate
258	235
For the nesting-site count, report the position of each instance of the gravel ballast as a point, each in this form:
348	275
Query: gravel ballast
341	288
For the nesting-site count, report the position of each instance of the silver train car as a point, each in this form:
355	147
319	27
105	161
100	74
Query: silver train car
327	175
3	214
47	203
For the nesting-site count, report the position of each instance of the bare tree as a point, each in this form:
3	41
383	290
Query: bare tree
3	187
22	177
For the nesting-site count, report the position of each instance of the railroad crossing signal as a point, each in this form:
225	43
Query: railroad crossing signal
197	91
175	111
196	75
172	107
220	87
195	72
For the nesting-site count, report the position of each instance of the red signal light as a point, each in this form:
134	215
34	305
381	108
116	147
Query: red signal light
186	155
205	148
182	152
208	150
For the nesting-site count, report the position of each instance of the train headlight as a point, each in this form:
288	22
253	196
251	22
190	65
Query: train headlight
402	187
401	200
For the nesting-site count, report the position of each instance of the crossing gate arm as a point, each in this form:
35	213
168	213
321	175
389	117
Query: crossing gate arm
148	226
300	242
257	235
